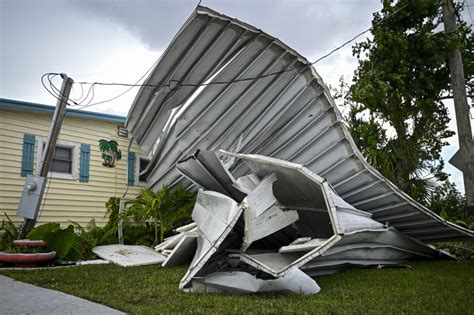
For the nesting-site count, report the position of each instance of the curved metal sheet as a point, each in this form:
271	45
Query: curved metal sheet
289	116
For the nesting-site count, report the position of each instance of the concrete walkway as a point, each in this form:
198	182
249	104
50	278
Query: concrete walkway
21	298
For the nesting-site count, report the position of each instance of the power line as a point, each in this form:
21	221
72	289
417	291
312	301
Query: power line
131	86
176	84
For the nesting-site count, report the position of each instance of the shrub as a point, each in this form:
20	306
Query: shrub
8	233
67	244
162	210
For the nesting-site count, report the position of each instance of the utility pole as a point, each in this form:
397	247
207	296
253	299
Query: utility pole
50	146
456	71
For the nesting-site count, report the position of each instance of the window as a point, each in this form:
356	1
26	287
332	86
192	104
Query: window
64	163
62	160
143	164
140	167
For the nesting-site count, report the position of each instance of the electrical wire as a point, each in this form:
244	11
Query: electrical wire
53	90
131	86
177	84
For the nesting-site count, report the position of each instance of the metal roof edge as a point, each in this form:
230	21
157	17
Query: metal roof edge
48	109
206	10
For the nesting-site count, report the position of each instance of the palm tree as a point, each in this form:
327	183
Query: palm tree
163	209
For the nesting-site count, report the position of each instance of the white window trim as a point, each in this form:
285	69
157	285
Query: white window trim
75	158
137	180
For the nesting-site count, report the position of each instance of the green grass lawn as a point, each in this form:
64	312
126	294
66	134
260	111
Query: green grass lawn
427	287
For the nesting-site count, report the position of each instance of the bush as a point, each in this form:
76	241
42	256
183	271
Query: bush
163	210
8	233
67	244
449	203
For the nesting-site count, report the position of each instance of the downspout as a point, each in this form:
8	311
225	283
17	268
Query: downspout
122	203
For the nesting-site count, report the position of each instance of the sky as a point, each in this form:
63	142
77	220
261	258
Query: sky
119	40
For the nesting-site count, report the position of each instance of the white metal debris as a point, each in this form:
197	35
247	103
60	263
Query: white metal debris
293	220
236	282
263	214
215	215
183	252
129	255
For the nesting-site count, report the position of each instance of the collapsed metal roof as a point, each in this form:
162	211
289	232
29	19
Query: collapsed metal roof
206	87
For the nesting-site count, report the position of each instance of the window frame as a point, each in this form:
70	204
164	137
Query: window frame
76	149
139	157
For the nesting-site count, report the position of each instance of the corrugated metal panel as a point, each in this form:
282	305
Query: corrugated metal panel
66	199
290	116
205	169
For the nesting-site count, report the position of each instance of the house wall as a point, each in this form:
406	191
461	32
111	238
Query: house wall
65	199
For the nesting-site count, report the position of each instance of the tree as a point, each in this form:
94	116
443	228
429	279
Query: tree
396	111
162	210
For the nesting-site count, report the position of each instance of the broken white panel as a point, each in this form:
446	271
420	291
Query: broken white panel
301	240
351	219
183	252
205	170
129	255
263	214
169	242
247	183
186	228
302	247
238	282
215	215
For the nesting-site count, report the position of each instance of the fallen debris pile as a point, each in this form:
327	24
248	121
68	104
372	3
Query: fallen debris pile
290	225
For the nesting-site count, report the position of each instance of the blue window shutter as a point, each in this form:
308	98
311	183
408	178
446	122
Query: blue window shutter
28	156
131	168
84	164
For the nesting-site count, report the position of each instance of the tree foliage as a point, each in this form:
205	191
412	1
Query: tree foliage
396	114
162	210
448	202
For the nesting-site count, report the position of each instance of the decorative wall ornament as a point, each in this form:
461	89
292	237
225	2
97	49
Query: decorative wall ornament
110	152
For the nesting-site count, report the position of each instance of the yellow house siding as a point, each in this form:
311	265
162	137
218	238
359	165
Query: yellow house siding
65	199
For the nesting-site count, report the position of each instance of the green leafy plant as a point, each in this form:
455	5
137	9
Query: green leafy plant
462	251
110	152
162	210
66	243
134	233
8	233
89	237
110	230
